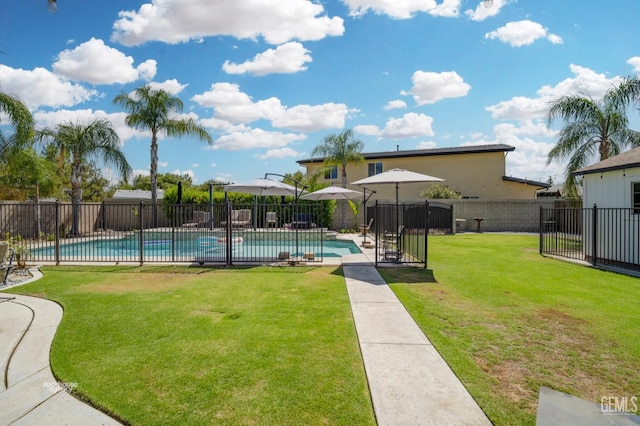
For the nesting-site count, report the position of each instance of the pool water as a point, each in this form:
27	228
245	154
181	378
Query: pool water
202	248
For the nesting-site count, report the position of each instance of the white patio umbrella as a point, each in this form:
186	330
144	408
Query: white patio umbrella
397	176
333	193
263	186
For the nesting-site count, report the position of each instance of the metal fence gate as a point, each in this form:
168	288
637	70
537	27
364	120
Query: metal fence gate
402	230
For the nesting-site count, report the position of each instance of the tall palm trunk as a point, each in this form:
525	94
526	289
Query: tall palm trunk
76	196
153	176
344	202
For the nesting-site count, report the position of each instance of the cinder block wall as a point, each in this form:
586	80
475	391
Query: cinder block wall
500	215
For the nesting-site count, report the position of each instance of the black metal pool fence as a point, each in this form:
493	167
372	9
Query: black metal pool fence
403	230
604	237
121	232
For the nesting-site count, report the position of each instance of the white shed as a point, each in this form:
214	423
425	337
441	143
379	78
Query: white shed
613	185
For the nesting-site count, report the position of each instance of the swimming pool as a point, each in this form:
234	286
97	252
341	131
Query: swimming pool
205	248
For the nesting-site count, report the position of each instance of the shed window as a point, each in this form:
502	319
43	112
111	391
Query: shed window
331	173
635	197
375	168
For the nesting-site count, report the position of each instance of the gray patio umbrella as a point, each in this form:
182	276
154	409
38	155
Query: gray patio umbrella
332	193
262	187
396	177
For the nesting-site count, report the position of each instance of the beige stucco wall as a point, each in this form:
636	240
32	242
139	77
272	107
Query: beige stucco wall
474	175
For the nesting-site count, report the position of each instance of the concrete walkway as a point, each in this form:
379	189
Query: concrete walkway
410	383
29	394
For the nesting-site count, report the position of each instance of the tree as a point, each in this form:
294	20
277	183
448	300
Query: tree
593	127
152	110
163	181
437	191
339	151
20	118
81	143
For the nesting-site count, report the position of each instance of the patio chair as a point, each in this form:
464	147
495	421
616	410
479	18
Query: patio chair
364	229
272	219
392	244
6	261
302	221
200	219
239	218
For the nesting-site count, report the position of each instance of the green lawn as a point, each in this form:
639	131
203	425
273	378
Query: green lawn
194	346
509	321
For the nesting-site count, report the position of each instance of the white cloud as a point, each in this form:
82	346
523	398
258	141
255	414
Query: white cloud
521	33
163	164
367	129
173	87
431	87
530	156
403	9
410	125
140	172
255	138
51	119
586	81
310	118
40	87
635	63
189	173
233	106
279	153
396	104
285	59
426	145
96	63
481	12
178	21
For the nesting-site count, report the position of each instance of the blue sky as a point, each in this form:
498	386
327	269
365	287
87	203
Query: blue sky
269	79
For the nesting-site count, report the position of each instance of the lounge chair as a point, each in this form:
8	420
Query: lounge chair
302	221
364	229
272	219
6	261
239	218
200	220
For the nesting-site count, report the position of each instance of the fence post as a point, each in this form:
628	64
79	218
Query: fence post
377	222
228	207
57	233
540	230
426	234
141	227
594	237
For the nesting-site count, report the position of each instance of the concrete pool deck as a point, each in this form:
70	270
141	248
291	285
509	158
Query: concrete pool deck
410	383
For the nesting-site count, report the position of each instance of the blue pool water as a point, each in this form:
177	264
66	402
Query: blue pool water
209	248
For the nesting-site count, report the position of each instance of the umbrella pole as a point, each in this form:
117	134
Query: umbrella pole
397	224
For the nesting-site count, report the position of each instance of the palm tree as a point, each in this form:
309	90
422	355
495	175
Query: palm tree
80	143
152	110
593	127
339	151
20	117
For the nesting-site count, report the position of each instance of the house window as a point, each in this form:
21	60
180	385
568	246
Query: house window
331	173
635	197
375	168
